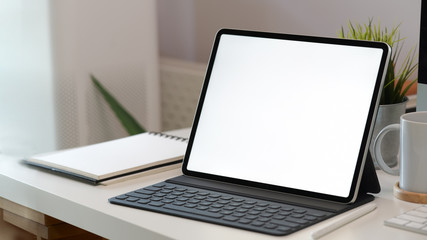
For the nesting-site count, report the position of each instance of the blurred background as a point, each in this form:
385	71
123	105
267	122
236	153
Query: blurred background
151	55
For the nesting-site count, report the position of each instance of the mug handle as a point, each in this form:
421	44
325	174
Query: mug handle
377	149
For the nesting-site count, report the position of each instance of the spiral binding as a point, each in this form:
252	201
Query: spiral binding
182	139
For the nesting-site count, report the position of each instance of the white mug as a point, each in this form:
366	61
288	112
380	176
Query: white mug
413	151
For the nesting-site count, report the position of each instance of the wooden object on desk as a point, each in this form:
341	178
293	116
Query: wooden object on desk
39	225
409	196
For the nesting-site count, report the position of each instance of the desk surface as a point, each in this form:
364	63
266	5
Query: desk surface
86	206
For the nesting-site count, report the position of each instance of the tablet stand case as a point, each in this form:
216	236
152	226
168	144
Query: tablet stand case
369	184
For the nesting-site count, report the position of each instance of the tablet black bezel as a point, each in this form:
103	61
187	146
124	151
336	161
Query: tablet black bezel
357	175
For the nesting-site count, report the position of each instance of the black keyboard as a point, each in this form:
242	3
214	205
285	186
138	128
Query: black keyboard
222	208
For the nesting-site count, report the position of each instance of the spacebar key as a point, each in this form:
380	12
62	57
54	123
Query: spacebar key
193	211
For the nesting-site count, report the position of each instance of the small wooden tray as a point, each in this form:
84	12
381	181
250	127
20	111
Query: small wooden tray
409	196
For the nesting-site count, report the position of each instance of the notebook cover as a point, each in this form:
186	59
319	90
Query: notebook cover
116	158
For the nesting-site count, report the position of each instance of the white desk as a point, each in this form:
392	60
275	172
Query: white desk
86	206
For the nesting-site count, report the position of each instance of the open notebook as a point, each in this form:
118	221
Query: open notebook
283	126
116	158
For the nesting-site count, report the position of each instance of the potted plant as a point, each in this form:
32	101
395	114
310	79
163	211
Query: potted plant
396	85
130	124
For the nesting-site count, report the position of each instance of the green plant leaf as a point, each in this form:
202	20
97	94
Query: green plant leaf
394	90
125	118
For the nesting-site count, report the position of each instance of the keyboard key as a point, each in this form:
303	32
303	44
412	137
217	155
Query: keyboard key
414	220
171	197
194	201
272	211
167	201
156	204
229	208
397	221
193	211
239	215
253	212
251	217
287	209
182	199
279	217
189	205
268	215
217	205
143	201
264	219
206	203
157	195
296	220
169	187
226	198
247	206
285	213
143	191
417	213
242	210
211	199
300	211
415	225
202	208
224	202
231	218
177	193
262	204
259	208
257	223
152	188
132	199
215	210
187	195
245	221
122	197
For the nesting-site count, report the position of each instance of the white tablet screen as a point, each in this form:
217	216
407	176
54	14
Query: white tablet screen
285	113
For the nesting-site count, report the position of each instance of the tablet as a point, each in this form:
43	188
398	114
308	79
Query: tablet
287	113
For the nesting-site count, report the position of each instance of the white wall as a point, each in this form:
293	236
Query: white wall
187	27
26	85
116	41
48	48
